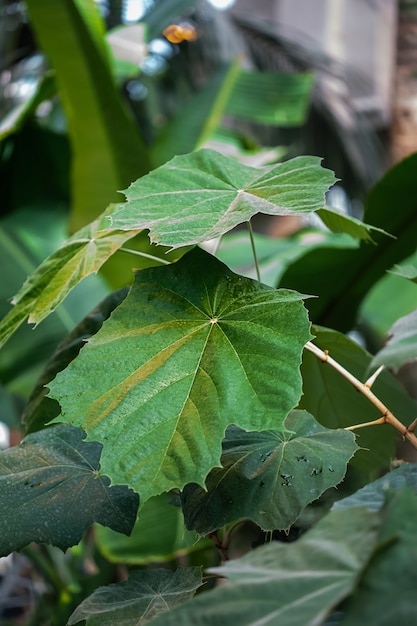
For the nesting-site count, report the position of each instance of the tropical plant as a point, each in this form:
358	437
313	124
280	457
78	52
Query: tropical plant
203	417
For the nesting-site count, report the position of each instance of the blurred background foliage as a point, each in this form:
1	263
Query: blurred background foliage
94	95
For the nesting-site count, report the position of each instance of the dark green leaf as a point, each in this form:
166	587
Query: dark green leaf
274	254
269	476
287	584
335	403
54	491
192	349
342	278
199	196
386	592
140	599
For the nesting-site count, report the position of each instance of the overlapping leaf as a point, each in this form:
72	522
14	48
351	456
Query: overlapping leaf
199	196
339	222
138	600
372	496
48	477
269	476
83	254
386	592
39	408
192	349
287	584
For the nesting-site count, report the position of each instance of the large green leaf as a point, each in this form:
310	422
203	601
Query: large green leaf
401	346
372	496
386	592
81	255
202	195
50	476
192	349
335	403
158	536
108	151
287	584
140	599
39	408
270	476
342	278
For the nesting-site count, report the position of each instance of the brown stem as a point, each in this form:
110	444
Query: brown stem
387	416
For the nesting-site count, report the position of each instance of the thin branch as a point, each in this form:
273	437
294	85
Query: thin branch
255	258
151	257
386	416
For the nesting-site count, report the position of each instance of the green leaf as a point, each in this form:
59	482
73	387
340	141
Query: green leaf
47	478
140	599
379	310
278	99
339	222
342	278
192	349
158	536
81	255
406	271
108	151
199	196
27	236
386	592
401	346
373	495
270	476
40	409
335	403
287	584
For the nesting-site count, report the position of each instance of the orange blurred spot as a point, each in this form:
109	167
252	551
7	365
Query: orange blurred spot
177	33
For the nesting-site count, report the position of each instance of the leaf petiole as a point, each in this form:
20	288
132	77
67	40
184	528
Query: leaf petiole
145	255
255	257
